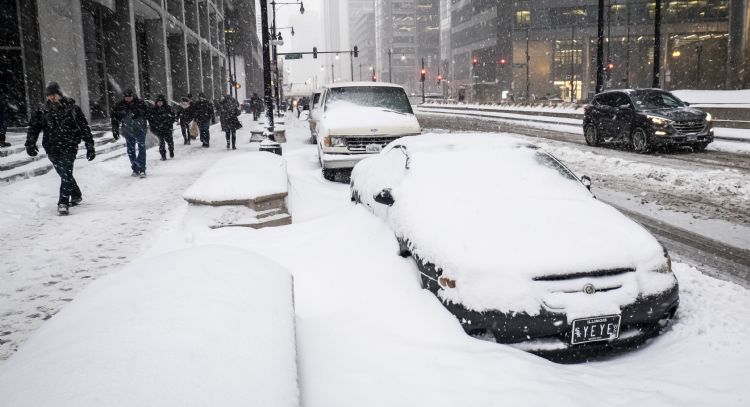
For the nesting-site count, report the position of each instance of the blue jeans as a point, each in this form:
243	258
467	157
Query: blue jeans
205	136
137	162
63	164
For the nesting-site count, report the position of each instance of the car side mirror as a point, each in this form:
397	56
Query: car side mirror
586	181
385	197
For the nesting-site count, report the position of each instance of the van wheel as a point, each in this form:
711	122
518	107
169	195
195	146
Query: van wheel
329	174
639	141
589	132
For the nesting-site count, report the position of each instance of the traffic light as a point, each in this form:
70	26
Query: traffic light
356	52
440	79
315	52
374	78
610	66
422	74
503	62
475	61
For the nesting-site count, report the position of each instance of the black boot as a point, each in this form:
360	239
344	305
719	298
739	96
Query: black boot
171	153
164	156
234	142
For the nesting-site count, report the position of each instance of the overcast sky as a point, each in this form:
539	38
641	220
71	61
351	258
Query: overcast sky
308	28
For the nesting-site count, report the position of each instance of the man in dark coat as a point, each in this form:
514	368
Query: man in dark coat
129	119
161	118
229	110
256	105
5	113
183	116
64	126
203	113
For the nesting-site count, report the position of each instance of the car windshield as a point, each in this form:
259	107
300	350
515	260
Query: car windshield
389	98
655	100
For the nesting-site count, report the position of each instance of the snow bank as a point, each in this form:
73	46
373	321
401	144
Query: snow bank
493	216
207	326
714	97
240	178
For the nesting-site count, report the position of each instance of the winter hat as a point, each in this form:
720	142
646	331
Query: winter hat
53	88
128	92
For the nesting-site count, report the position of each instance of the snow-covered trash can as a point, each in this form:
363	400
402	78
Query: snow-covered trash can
205	326
244	190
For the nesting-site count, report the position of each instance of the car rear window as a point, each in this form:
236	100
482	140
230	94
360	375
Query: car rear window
386	97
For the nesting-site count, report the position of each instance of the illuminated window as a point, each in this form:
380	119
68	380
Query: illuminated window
523	18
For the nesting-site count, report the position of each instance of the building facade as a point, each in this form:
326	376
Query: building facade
362	34
547	48
407	31
97	48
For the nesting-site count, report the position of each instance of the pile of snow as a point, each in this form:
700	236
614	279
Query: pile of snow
240	178
494	215
199	327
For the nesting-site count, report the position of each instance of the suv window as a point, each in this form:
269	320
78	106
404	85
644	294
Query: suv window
655	99
620	99
374	96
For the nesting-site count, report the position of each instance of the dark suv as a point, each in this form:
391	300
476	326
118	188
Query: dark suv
644	119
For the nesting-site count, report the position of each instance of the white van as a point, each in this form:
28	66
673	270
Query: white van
358	119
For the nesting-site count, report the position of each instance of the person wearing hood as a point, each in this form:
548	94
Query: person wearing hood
229	110
64	126
129	119
203	113
183	116
256	104
160	118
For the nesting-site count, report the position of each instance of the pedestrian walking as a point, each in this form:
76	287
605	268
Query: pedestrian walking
256	105
5	113
161	118
229	111
64	126
129	119
183	116
203	113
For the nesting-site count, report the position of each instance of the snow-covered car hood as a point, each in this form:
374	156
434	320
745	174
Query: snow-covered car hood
348	119
494	220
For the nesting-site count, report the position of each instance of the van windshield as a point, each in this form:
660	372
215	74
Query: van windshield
386	97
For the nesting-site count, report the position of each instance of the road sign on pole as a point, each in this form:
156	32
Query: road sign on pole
293	56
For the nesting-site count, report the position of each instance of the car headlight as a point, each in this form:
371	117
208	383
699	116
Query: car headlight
665	267
659	121
338	142
709	118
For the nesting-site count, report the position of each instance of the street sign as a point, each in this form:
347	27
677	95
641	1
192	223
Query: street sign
519	65
293	56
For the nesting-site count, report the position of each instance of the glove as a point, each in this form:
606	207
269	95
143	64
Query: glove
90	153
115	134
32	150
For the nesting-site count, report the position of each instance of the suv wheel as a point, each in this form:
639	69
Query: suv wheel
589	131
329	174
639	141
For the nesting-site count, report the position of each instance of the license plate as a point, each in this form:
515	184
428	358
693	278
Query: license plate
692	137
373	148
595	329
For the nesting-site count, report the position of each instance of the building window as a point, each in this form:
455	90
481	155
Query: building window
523	18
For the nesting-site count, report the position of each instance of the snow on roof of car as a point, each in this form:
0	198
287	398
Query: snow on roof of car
203	326
363	83
493	214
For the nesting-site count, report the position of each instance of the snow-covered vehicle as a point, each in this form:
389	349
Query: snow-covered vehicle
516	246
357	120
315	112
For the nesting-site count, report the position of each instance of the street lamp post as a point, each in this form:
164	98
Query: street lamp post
266	65
390	70
275	60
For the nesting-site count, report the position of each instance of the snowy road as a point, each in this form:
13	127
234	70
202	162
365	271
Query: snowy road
698	204
367	334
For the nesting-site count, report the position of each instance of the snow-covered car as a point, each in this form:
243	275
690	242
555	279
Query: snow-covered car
516	246
357	120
